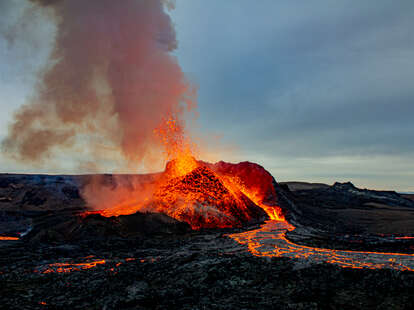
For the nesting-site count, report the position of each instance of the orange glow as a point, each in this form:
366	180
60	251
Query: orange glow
130	259
270	241
404	238
202	199
178	147
5	238
201	194
69	267
274	212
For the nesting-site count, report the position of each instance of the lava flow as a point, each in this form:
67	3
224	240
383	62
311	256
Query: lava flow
270	241
7	238
69	267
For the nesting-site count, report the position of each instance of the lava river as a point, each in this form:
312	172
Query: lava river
270	241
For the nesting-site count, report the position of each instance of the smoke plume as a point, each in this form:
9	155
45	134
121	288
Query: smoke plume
110	82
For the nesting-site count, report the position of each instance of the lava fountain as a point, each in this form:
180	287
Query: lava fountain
202	194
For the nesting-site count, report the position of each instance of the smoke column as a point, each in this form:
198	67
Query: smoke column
110	82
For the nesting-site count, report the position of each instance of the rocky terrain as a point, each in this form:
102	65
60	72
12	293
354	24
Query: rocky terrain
342	216
194	271
149	261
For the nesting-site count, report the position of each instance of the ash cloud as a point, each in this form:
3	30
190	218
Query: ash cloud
109	82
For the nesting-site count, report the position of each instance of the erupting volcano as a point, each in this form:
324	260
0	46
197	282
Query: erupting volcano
112	102
207	196
125	92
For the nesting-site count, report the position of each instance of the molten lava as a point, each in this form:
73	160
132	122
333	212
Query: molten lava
203	199
69	267
254	182
7	238
270	241
89	263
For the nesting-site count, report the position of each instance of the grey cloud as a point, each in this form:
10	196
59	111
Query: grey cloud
315	79
319	72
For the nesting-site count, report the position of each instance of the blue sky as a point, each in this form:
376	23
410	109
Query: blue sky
313	90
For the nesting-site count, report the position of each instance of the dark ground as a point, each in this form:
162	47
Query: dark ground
342	216
176	268
197	271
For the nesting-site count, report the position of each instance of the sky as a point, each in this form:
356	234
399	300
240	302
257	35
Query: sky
318	91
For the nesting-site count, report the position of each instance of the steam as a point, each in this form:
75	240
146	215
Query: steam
110	82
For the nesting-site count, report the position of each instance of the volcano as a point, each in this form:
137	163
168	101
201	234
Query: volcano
203	195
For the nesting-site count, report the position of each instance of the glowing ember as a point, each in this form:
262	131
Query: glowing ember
270	241
7	238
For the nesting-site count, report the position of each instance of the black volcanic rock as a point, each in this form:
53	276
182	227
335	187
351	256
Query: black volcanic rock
71	192
367	195
63	228
343	216
203	270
